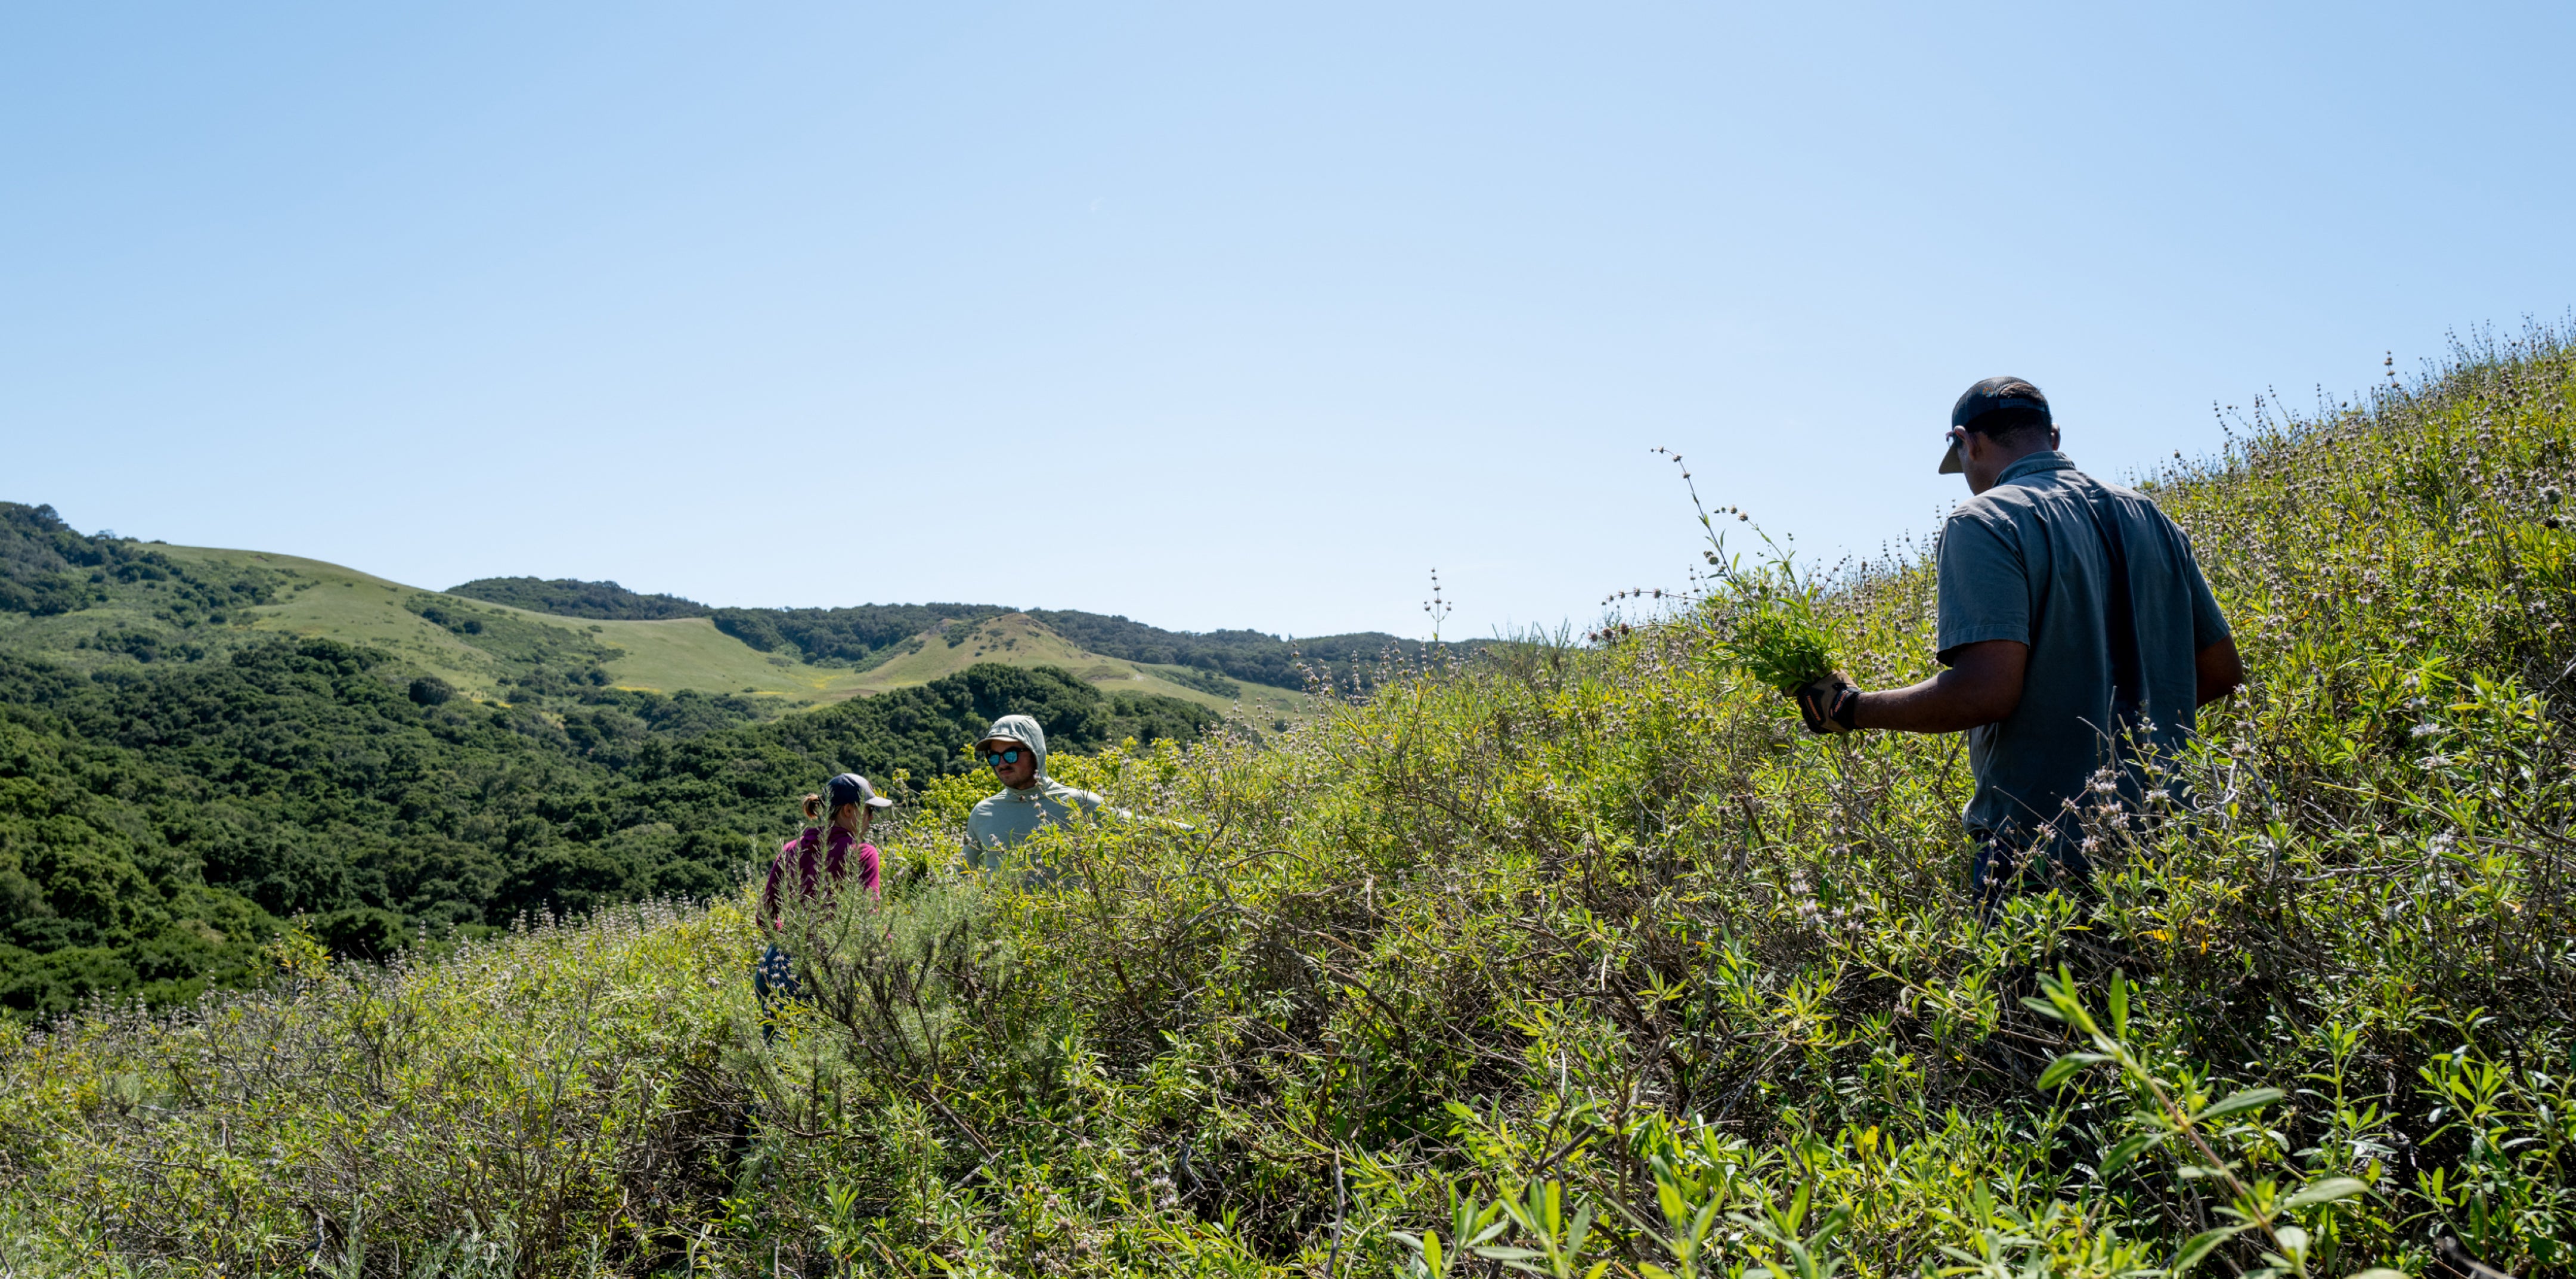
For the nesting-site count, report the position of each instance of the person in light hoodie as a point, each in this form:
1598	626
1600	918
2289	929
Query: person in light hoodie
1029	801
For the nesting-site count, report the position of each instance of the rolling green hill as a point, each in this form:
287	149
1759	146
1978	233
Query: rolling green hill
196	744
864	636
491	651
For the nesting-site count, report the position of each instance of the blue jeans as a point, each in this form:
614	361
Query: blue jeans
773	979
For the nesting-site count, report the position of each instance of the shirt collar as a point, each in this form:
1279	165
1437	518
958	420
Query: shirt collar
2033	464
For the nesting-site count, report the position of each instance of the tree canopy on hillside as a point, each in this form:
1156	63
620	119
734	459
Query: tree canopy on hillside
49	568
844	636
566	597
156	822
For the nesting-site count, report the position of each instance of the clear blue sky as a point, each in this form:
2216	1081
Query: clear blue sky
1213	315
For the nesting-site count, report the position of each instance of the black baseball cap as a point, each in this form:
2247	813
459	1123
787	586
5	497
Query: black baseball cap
1976	410
850	788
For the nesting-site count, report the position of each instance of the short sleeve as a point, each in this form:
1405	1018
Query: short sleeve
1984	585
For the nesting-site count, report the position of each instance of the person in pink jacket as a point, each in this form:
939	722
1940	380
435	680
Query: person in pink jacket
810	867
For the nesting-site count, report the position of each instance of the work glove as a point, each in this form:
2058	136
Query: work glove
1828	704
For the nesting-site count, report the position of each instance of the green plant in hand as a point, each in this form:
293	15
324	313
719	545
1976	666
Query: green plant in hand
1772	632
1766	613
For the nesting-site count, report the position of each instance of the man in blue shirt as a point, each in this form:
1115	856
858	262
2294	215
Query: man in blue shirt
2076	631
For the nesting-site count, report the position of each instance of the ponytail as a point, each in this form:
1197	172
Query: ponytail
813	807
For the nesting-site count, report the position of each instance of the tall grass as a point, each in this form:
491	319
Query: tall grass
1574	959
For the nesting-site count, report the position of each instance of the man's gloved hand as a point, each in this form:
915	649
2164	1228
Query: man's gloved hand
1828	704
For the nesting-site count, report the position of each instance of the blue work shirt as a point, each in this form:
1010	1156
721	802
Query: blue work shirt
2031	560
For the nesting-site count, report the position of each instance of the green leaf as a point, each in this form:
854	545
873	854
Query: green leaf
1802	1262
2059	1069
1574	1233
2043	1007
2119	1003
2250	1099
1506	1254
1832	1225
2326	1191
2377	1272
2118	1156
1670	1200
2198	1246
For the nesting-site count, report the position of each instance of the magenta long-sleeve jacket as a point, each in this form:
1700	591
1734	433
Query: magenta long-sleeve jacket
812	867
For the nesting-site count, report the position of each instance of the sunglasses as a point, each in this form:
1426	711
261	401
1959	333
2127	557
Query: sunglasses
1011	756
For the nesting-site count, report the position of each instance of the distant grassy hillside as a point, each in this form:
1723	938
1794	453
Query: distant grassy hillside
1243	655
867	635
149	617
181	603
691	653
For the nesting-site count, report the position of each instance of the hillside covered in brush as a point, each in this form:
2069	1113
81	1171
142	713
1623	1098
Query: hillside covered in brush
156	825
1566	960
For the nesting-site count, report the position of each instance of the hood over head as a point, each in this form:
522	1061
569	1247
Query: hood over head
1021	729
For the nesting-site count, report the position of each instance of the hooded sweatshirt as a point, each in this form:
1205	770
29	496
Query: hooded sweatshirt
1015	813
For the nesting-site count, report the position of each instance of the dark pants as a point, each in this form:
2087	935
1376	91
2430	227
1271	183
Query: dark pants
773	978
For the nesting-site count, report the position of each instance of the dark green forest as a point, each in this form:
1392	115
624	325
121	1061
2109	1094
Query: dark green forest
158	821
599	601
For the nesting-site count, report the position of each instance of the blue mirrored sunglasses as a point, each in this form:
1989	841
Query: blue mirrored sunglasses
1011	756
